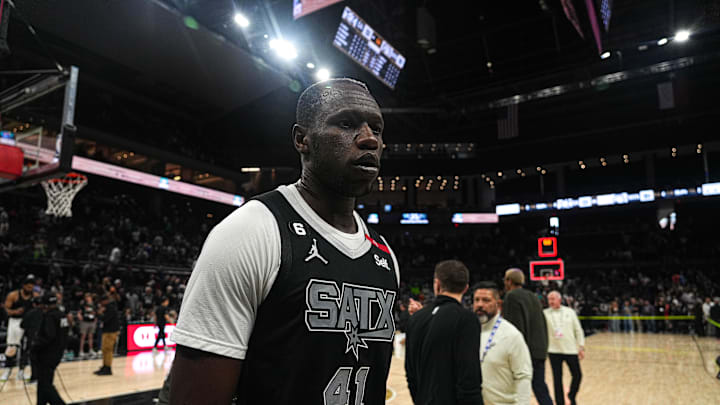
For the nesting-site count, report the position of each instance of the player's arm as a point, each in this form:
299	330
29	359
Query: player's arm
233	275
468	384
200	377
9	301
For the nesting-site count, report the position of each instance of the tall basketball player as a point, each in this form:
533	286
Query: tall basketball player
291	300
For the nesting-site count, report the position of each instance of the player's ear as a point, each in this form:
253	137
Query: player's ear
300	139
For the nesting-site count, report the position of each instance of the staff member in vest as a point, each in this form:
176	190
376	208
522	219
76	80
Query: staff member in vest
291	298
443	342
17	303
567	344
522	308
49	348
505	358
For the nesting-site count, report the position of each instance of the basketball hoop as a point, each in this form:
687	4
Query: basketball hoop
60	193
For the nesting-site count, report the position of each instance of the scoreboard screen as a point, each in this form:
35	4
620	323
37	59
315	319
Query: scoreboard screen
362	44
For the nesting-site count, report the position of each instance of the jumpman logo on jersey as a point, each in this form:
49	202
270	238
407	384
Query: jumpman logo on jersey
314	254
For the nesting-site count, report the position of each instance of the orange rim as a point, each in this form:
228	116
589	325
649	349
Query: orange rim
70	178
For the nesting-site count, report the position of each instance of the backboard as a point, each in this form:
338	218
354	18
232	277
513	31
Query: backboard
40	121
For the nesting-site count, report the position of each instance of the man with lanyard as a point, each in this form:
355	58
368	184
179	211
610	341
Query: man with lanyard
443	342
567	344
505	359
17	303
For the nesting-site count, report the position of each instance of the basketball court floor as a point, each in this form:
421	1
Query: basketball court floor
637	369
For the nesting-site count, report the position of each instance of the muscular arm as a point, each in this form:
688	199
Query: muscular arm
201	378
9	301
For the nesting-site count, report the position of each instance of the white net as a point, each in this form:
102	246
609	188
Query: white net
60	193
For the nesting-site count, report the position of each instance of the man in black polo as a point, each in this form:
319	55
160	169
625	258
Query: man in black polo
443	344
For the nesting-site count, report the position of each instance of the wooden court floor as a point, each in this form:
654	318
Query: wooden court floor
619	368
136	373
637	369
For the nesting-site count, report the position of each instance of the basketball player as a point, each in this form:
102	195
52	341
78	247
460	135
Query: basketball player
17	303
504	356
292	296
567	344
523	309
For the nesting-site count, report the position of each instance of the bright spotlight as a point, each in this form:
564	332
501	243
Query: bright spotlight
323	74
682	35
662	41
241	20
310	65
605	55
284	49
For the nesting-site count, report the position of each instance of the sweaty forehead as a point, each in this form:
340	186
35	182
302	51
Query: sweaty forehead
345	96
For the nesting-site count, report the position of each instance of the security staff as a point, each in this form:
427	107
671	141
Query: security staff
443	344
49	348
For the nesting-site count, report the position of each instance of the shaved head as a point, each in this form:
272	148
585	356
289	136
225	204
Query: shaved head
316	98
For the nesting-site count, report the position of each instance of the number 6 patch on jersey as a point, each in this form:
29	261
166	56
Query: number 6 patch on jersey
337	391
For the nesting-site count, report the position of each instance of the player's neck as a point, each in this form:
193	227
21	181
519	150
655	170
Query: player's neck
335	209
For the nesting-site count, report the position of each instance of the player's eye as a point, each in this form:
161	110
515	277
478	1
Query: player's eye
345	124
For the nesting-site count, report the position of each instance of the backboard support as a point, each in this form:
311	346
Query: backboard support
48	151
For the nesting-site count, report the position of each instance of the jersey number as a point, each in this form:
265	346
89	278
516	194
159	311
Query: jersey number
337	391
299	229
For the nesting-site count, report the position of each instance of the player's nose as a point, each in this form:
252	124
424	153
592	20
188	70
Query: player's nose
367	139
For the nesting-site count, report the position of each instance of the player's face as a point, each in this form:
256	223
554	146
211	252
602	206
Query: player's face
485	304
346	143
27	288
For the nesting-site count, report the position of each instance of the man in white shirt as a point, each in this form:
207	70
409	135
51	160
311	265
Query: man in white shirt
566	344
504	355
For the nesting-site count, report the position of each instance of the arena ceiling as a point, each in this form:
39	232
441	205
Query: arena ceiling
145	72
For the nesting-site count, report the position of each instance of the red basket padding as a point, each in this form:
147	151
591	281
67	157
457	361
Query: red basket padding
11	162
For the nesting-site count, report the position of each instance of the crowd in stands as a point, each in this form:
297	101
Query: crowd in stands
116	245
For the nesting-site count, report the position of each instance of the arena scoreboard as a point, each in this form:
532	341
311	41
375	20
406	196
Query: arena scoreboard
365	46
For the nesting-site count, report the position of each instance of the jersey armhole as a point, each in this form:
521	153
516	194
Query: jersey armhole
273	200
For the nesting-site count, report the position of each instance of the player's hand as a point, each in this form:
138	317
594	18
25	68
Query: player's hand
414	306
581	353
20	311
